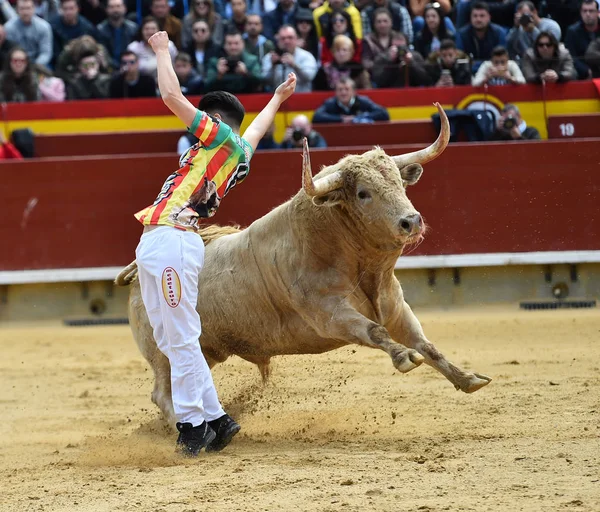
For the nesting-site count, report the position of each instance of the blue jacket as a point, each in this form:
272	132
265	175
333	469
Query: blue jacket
117	47
577	40
363	107
273	20
480	49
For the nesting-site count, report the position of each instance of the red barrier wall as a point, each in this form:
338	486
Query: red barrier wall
478	198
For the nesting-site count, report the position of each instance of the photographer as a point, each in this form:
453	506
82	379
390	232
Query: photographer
510	126
449	66
527	26
299	128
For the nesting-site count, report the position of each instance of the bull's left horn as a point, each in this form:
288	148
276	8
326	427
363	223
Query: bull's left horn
426	155
323	185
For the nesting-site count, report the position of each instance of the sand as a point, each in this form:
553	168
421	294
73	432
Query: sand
339	431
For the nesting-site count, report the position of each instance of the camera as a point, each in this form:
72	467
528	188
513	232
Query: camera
297	135
402	51
279	51
525	20
509	123
232	63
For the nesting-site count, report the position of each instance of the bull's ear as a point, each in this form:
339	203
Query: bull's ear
330	199
411	173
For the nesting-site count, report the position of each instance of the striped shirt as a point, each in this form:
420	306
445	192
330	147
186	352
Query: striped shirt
208	171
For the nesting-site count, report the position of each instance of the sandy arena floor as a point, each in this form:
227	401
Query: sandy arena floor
340	431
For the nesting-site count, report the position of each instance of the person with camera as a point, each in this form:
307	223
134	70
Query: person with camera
510	126
527	26
237	71
299	128
449	66
287	58
498	71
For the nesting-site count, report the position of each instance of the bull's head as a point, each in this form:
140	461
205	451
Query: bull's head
371	189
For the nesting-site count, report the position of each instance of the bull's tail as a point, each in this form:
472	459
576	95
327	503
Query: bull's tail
208	233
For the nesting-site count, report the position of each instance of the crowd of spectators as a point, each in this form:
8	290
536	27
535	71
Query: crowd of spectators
54	50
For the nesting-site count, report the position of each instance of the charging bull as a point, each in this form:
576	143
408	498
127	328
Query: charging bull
314	274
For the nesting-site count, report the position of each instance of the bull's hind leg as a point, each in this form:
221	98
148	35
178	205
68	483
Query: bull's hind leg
161	394
407	329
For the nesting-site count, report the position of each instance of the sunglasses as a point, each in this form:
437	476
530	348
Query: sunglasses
88	65
545	45
339	20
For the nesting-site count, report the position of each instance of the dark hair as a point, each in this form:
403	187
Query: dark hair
447	44
481	6
128	52
499	51
210	18
587	2
232	31
225	104
442	33
65	1
9	80
550	36
526	3
183	57
85	54
329	35
145	21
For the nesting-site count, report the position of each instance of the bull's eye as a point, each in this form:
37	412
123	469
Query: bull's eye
363	194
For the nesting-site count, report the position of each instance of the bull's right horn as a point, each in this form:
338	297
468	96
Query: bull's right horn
426	155
323	185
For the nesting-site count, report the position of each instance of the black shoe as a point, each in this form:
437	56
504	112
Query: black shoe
225	428
192	439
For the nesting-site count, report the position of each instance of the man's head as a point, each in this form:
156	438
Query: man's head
301	124
546	46
254	25
130	65
287	39
88	65
399	39
510	117
115	10
234	44
69	11
25	10
480	15
528	8
345	90
287	5
183	66
238	8
200	31
448	53
589	13
224	106
160	9
500	57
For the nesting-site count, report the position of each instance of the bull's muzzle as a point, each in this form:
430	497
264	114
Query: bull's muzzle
411	224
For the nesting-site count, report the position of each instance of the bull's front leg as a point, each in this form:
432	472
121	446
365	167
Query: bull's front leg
407	328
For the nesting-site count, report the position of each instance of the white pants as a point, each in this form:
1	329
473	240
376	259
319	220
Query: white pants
169	261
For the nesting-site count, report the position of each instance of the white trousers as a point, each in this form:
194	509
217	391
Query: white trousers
169	261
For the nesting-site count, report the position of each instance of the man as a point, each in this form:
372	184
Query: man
239	14
170	253
89	84
31	33
527	27
70	25
510	126
401	21
322	15
449	66
592	58
289	58
299	128
256	44
547	61
481	36
498	71
237	72
283	14
581	34
117	31
190	81
347	107
129	83
161	10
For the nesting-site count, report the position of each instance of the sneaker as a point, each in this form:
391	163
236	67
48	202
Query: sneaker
225	428
192	439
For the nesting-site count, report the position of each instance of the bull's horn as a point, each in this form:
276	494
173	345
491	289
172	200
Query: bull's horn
323	185
426	155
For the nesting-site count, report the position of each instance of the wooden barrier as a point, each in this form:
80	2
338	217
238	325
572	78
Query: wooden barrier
571	126
476	198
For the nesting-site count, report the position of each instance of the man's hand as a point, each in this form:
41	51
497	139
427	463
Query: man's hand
288	60
445	81
287	135
550	76
274	58
159	41
222	66
286	89
241	68
515	132
347	119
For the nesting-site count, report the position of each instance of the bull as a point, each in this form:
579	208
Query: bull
314	274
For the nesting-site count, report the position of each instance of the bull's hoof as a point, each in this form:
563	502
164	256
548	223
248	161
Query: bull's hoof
408	360
475	381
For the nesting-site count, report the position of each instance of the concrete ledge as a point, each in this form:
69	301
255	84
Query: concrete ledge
60	275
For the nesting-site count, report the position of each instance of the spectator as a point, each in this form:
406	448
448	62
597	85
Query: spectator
190	81
239	14
268	142
70	25
129	82
401	21
255	43
46	9
93	10
307	33
449	66
547	61
499	70
237	72
6	12
510	126
202	10
340	23
418	7
261	7
379	41
592	58
322	16
347	107
444	8
31	33
116	31
161	10
481	36
147	57
581	34
202	48
67	62
288	58
434	31
399	66
51	87
527	27
342	66
18	82
299	128
283	14
89	84
5	45
565	12
7	150
501	12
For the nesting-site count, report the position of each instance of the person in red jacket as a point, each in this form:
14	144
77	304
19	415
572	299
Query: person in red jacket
7	150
